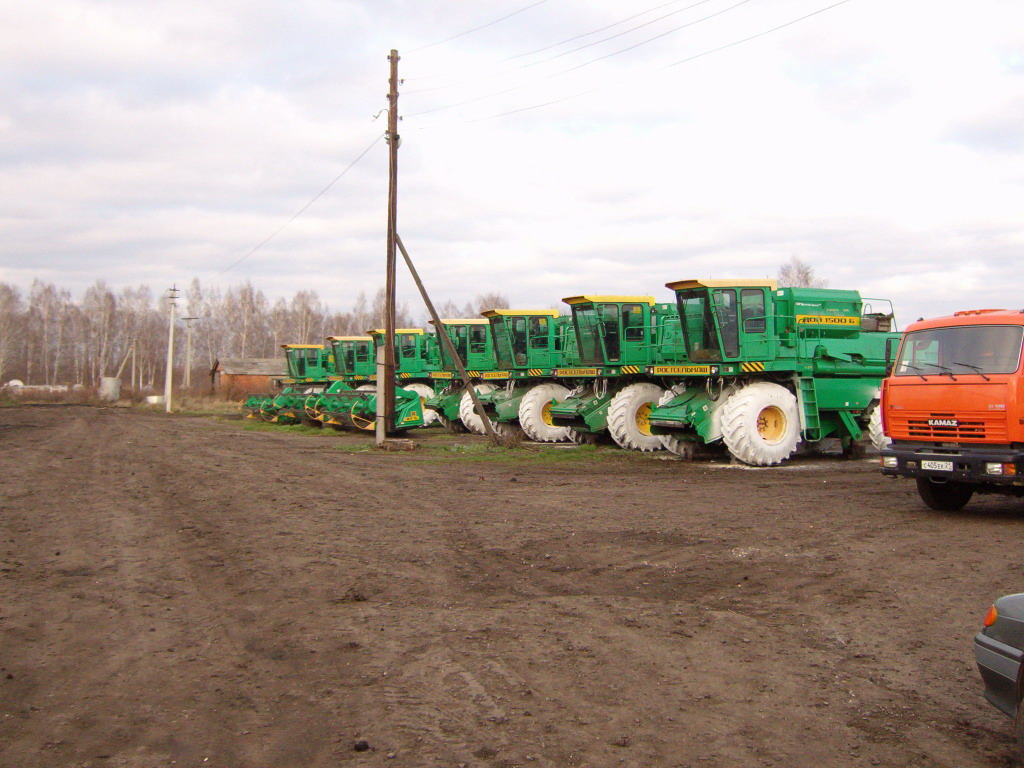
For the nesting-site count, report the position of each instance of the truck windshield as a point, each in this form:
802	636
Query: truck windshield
965	349
698	327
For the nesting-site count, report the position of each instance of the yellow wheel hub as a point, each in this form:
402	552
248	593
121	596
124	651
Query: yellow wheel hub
545	414
643	418
771	424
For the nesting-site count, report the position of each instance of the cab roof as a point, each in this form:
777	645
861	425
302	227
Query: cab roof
349	338
680	285
648	300
519	313
380	331
972	317
462	321
302	346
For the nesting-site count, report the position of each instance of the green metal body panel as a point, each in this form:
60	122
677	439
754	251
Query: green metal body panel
587	412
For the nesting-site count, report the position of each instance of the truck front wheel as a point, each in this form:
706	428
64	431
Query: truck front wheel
944	497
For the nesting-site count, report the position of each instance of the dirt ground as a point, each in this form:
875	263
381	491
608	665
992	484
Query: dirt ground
188	591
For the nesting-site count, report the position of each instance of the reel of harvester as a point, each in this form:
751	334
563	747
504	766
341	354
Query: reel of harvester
357	409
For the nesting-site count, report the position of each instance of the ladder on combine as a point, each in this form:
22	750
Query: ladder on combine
810	420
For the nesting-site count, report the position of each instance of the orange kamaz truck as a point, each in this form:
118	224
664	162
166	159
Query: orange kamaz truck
953	406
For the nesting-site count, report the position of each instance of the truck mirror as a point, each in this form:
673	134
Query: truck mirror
888	356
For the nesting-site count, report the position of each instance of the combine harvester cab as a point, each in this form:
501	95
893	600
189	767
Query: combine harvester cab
351	400
475	349
309	368
769	369
617	340
529	345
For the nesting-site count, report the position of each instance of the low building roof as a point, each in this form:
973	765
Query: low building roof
251	366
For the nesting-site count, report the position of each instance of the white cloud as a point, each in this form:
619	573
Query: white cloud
150	142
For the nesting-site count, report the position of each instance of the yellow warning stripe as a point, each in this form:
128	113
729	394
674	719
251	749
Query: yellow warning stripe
535	372
473	373
405	375
752	367
631	369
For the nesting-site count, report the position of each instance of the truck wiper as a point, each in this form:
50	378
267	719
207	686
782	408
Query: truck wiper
945	371
915	368
975	368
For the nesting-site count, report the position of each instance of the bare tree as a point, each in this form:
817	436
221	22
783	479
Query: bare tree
10	326
797	273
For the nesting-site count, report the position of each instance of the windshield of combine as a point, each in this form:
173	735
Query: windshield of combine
584	316
698	327
457	335
966	349
502	342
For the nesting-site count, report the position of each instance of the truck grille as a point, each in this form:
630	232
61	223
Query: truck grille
949	427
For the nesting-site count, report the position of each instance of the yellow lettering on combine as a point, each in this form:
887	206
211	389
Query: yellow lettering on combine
495	375
411	417
576	372
827	320
682	370
440	374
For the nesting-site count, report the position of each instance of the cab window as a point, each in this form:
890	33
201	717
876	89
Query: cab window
752	310
728	324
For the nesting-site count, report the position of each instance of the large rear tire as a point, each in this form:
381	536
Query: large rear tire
876	435
761	424
535	414
468	413
946	496
425	393
628	416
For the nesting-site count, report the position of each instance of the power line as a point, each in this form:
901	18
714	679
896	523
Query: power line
477	29
574	50
662	69
580	66
552	45
302	210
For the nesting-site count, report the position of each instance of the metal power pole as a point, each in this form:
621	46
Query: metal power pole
169	377
188	351
386	388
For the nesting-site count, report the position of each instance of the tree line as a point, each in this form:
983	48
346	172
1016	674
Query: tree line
48	337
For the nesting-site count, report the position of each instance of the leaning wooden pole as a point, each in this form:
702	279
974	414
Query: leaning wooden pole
447	342
386	388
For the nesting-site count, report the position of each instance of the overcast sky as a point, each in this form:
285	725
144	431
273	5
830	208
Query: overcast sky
881	141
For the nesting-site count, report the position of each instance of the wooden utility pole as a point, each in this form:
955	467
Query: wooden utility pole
386	388
169	375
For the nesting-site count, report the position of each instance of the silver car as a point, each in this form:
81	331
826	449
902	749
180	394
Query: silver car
999	651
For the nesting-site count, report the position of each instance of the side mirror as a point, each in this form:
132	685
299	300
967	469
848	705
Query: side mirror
888	356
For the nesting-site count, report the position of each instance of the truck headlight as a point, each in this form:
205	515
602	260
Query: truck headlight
890	462
993	469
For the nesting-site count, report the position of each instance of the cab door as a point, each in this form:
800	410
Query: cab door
754	325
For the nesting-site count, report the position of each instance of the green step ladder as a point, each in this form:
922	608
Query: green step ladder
809	417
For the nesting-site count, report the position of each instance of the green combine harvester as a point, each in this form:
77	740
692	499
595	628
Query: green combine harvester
617	341
768	369
309	369
529	345
475	348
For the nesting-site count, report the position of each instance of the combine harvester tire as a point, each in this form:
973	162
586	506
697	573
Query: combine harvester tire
761	424
534	414
627	416
468	413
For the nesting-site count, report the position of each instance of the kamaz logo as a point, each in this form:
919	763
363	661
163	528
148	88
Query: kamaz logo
943	423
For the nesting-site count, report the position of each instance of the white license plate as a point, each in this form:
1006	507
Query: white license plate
941	466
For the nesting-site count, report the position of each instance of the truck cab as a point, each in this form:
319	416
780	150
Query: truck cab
472	344
953	406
